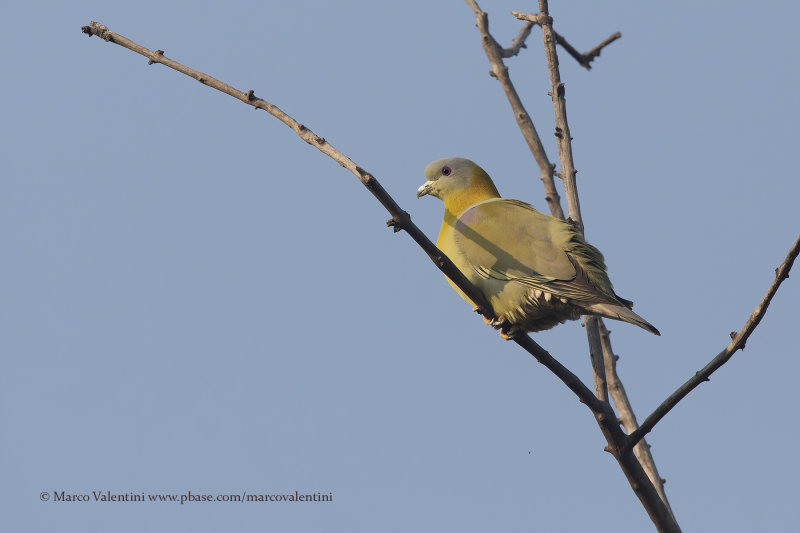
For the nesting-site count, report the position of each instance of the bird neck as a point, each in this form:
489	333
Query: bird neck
456	203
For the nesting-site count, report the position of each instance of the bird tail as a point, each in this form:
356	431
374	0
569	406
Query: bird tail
618	312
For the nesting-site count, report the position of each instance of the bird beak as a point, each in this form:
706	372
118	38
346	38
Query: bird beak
427	188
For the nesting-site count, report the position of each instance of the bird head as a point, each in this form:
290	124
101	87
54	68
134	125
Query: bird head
457	181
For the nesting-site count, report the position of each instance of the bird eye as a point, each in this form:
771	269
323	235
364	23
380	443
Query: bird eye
446	171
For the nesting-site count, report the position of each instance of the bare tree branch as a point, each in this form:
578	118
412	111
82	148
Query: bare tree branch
596	355
400	219
619	444
626	415
557	92
595	52
519	42
738	341
656	506
585	59
500	71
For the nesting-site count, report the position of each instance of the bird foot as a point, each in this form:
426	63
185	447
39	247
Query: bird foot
496	323
510	332
507	330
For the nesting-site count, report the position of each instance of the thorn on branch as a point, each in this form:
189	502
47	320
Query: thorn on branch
396	223
158	53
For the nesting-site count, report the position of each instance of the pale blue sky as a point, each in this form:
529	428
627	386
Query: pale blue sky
193	299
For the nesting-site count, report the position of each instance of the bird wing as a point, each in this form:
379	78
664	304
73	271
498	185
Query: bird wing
509	240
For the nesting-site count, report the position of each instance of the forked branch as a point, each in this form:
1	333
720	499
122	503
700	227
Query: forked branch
519	42
400	219
619	444
584	59
495	53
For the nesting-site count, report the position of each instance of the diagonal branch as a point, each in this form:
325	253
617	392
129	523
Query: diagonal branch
557	92
619	444
738	341
519	42
599	364
586	59
595	52
656	506
626	414
494	52
400	219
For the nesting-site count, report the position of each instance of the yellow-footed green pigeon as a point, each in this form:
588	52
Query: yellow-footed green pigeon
536	271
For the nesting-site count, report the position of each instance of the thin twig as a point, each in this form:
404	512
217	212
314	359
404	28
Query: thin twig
595	52
519	42
619	444
645	490
596	355
494	52
557	91
586	59
626	415
737	343
400	219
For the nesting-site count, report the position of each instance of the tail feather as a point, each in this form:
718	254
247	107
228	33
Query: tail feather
618	312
